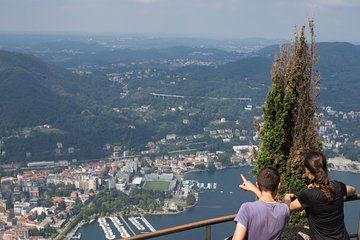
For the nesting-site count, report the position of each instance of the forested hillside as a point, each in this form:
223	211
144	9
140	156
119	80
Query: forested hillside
33	94
87	111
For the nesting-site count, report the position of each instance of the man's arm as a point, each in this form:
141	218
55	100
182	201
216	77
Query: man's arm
240	232
249	186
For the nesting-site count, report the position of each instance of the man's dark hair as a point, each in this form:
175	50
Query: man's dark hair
268	179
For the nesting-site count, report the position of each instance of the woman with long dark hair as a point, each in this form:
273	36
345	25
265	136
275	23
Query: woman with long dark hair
323	201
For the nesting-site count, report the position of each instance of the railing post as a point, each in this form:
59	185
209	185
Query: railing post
358	236
208	232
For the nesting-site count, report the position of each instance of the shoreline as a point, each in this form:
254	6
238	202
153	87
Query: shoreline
159	213
338	164
219	169
167	213
73	231
347	170
342	164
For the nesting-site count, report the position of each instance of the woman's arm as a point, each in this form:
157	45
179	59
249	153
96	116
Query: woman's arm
293	205
350	190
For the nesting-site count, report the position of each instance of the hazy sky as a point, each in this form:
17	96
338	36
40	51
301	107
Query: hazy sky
335	20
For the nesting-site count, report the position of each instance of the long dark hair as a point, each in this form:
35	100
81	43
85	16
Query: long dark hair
315	162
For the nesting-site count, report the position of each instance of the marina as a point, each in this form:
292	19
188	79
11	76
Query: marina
147	223
136	223
120	227
202	185
77	236
109	234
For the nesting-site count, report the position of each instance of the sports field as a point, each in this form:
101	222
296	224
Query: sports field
157	185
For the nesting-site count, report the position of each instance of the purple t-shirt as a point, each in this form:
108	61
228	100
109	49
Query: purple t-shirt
263	220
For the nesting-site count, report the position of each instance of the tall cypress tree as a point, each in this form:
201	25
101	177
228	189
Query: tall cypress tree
289	128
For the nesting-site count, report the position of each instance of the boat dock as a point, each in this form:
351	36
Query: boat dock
109	234
119	226
147	223
136	223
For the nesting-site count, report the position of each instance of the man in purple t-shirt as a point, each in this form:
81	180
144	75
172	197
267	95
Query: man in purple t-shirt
264	219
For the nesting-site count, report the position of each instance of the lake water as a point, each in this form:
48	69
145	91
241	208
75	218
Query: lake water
225	200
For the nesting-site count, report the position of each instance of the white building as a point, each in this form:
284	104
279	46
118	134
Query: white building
21	208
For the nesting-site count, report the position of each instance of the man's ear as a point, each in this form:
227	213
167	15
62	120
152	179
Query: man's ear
257	185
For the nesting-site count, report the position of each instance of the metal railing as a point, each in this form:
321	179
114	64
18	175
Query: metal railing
209	222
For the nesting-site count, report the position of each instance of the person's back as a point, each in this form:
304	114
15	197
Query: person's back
326	219
264	219
323	200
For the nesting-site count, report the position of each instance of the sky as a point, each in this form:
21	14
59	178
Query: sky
335	20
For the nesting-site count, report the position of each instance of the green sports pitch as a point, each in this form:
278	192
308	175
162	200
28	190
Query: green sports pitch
157	185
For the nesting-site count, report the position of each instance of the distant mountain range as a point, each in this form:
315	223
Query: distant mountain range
79	108
339	67
338	64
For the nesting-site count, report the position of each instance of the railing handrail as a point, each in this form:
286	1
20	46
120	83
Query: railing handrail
204	223
184	227
354	197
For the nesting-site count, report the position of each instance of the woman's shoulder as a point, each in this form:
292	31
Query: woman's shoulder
310	197
338	184
339	187
311	191
308	193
